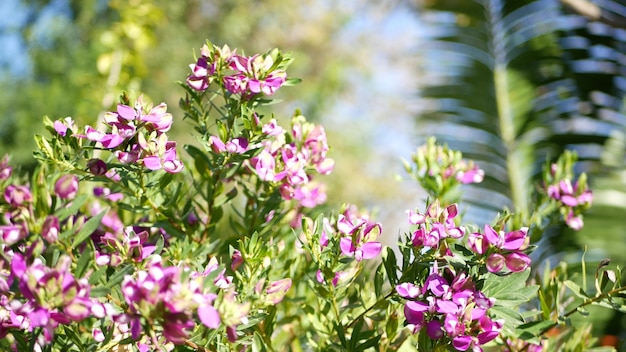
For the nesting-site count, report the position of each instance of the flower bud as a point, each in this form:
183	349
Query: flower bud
236	260
97	167
17	195
277	290
66	186
5	169
50	229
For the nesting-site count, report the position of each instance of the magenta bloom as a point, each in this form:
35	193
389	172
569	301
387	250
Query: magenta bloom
495	262
517	262
5	169
17	195
408	290
50	229
359	251
66	186
434	330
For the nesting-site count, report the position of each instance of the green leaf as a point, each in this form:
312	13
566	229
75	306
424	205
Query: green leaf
76	204
75	338
88	228
512	318
83	261
379	280
577	290
530	331
389	261
509	290
117	278
341	333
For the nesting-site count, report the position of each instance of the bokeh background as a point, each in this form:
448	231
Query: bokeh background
510	83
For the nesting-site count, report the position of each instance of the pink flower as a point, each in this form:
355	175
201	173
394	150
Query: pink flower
209	316
272	128
471	175
265	165
5	169
11	234
408	290
574	222
61	126
359	251
517	262
66	186
495	262
277	290
17	196
310	196
50	229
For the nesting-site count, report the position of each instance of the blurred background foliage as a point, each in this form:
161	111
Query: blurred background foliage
509	83
81	54
519	82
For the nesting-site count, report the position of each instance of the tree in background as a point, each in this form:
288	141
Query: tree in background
100	48
511	83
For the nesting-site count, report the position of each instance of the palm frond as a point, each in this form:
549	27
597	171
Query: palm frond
511	83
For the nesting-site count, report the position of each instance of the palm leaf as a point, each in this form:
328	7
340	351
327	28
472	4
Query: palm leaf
511	83
508	83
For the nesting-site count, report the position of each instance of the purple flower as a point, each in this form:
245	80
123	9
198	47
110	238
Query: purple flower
236	260
495	262
5	169
408	290
66	186
12	234
434	330
50	229
360	250
414	312
277	290
97	167
17	196
517	262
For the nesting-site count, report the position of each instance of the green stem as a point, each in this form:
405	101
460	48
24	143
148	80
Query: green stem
596	299
586	303
386	297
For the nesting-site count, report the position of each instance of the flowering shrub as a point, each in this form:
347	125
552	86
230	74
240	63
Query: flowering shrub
118	243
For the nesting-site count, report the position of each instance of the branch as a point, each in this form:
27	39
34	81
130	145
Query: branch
595	12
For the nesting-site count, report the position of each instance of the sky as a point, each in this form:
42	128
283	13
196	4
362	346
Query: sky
13	57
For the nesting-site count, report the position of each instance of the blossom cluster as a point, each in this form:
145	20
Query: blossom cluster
287	158
501	248
240	74
37	294
160	295
290	157
46	296
357	237
572	199
440	168
435	225
447	304
449	307
135	134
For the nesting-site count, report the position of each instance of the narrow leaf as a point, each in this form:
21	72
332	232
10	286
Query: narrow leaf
88	228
